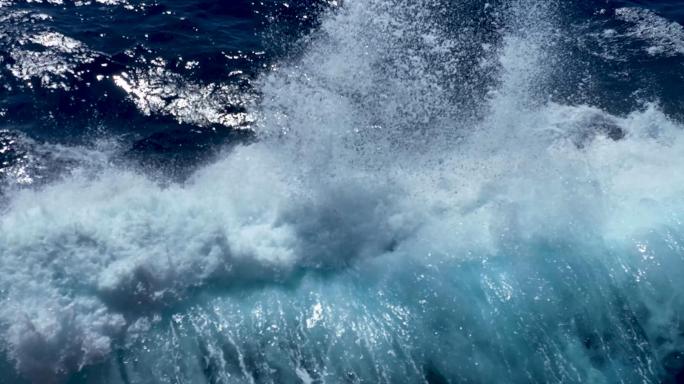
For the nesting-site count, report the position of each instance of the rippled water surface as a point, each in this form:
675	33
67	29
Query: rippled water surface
318	191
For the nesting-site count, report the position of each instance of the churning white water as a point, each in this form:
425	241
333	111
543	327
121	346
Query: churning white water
416	210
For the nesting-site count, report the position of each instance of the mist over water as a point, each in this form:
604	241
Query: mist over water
424	200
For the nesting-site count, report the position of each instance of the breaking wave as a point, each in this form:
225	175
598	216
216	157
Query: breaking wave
416	208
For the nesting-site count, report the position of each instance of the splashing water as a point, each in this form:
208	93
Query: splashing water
416	209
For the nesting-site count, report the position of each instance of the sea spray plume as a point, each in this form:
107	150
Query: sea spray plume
381	77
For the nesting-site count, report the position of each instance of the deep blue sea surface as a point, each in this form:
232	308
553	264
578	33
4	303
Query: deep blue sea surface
341	191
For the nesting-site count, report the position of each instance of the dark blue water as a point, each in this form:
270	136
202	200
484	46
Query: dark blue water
57	97
338	191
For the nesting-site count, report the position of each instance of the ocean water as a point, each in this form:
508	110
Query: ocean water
357	191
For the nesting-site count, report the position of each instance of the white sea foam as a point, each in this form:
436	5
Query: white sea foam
664	37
